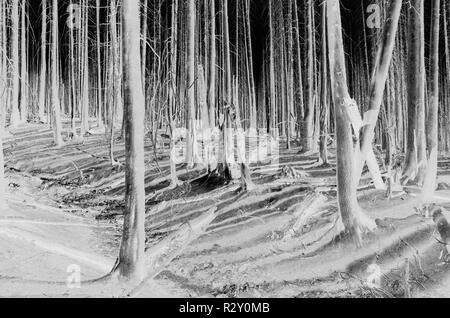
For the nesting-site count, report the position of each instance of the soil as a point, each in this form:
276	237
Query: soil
65	212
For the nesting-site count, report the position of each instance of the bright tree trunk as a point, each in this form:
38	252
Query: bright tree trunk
55	102
172	91
43	72
433	109
23	66
131	263
15	115
354	220
416	157
191	82
99	71
308	122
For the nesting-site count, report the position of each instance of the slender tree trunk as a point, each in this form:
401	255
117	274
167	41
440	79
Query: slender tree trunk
416	157
131	263
301	106
99	71
172	90
116	89
433	109
308	122
325	114
3	86
85	80
4	69
378	83
15	115
253	109
23	66
55	101
272	94
144	44
354	220
191	83
43	72
212	67
290	77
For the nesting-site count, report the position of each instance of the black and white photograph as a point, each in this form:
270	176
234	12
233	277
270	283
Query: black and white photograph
225	150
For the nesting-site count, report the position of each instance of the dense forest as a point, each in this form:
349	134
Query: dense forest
249	147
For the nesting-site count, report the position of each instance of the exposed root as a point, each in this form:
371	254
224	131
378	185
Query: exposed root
290	172
175	184
361	225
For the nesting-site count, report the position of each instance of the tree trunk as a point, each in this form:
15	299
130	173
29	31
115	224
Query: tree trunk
416	156
131	265
308	122
56	106
100	123
191	83
433	109
378	83
354	220
43	72
325	114
23	67
15	115
272	94
172	90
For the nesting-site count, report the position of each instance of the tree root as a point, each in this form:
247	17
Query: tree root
290	172
361	224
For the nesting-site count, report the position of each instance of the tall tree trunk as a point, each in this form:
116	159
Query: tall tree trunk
172	91
354	220
131	263
191	82
325	114
100	123
43	72
272	92
253	109
116	89
55	101
3	86
301	106
85	80
290	79
144	44
24	66
308	122
416	156
433	109
212	66
15	69
378	83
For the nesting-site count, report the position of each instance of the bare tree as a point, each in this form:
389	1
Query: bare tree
131	263
15	115
55	101
43	71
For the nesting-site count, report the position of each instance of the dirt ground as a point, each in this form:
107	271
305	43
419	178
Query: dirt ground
65	217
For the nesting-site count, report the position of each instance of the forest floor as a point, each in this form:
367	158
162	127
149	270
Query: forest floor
65	214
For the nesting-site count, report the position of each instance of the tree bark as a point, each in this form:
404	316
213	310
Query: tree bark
378	83
15	115
43	72
56	106
354	220
131	265
416	156
433	109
